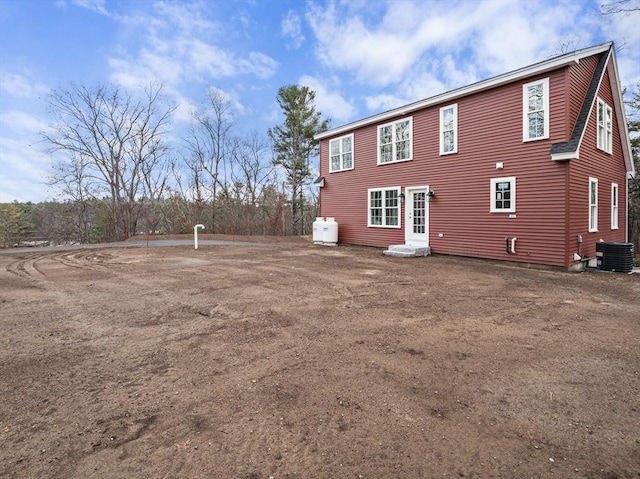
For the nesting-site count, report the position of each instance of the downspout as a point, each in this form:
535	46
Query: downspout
626	207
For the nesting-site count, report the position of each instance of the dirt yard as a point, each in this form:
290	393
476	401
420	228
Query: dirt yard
291	360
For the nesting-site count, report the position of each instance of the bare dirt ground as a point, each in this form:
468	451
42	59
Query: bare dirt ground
301	361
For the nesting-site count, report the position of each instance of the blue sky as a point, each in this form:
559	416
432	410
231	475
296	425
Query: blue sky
360	56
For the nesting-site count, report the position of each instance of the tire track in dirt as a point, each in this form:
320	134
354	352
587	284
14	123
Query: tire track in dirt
26	266
29	267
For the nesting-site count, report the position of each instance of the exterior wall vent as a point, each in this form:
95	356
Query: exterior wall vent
614	256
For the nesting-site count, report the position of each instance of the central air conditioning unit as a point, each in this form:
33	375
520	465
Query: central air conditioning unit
614	256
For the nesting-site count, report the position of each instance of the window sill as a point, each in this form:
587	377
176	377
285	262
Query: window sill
384	226
340	171
394	162
528	140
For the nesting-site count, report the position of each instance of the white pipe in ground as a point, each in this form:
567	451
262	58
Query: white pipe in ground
195	234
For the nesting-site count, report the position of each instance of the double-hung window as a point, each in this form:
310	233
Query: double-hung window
535	110
341	154
604	126
395	141
503	195
593	204
384	207
614	206
449	129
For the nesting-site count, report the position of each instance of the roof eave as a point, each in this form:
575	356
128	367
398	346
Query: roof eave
569	155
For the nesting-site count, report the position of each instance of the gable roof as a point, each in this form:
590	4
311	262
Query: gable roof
564	150
571	149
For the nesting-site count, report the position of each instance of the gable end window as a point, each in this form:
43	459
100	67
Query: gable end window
341	154
384	207
614	206
535	110
503	195
449	129
593	205
604	126
395	141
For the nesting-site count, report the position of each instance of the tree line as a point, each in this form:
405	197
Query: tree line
118	172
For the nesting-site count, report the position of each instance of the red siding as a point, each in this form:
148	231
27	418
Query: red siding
608	169
489	131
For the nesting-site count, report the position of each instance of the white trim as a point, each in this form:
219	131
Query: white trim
570	155
526	112
593	214
516	75
394	142
623	129
453	107
383	207
512	191
615	205
340	138
408	223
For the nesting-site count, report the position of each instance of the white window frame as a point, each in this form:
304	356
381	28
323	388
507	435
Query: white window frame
614	206
394	141
605	126
341	154
545	110
512	199
453	129
383	206
593	205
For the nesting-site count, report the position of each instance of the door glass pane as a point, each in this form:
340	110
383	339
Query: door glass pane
419	210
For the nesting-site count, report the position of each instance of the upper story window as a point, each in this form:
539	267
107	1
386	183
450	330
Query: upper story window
614	206
593	204
503	195
341	154
384	207
604	126
535	110
449	129
395	141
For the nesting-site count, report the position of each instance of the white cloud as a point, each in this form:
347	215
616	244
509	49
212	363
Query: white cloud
383	102
328	101
181	47
24	171
381	53
291	27
20	85
22	122
97	6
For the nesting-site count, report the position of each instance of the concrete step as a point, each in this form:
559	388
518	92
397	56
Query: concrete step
407	251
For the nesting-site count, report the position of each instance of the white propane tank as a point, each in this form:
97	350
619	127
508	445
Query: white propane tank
330	232
317	230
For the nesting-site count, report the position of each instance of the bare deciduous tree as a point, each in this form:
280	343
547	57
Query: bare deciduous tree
210	145
107	142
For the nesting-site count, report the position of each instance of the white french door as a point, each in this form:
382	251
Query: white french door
416	210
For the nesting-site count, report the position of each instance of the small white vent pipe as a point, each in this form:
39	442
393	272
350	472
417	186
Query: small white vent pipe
195	234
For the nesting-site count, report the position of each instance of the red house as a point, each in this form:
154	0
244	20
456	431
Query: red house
529	166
